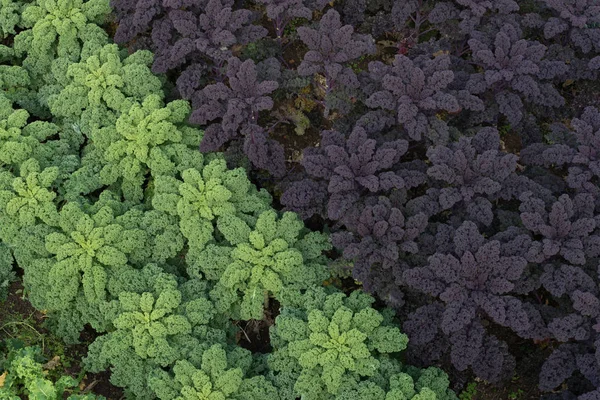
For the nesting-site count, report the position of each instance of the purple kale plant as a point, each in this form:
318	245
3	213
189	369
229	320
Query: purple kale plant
330	48
474	172
236	105
577	329
415	90
281	12
381	235
474	282
134	17
564	230
184	35
585	165
346	170
578	20
510	67
577	152
187	36
480	7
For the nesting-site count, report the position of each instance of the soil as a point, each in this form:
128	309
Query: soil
254	334
529	357
16	313
524	384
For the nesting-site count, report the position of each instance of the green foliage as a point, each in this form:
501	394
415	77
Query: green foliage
86	247
149	137
469	392
103	86
7	274
118	222
334	343
273	254
59	28
153	328
31	198
46	142
205	195
215	379
10	16
22	374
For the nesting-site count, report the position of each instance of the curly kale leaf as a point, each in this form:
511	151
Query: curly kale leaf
272	255
579	20
236	104
103	86
43	141
565	229
205	195
349	169
59	28
475	171
7	275
382	234
416	90
476	279
511	67
149	137
332	343
87	246
330	48
194	33
31	197
25	375
215	378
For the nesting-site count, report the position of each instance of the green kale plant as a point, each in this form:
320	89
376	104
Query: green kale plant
59	28
216	378
120	224
15	84
84	249
148	138
203	195
428	384
10	16
31	197
154	328
103	86
332	342
7	275
43	141
267	256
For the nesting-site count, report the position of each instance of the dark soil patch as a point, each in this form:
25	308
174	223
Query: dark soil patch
18	319
524	384
99	384
293	144
16	305
254	334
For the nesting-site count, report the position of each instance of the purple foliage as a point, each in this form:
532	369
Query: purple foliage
379	237
330	47
480	7
184	31
350	169
463	163
416	90
185	35
283	11
237	105
474	279
564	229
579	20
511	66
474	171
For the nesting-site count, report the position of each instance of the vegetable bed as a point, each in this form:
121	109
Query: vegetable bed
300	199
